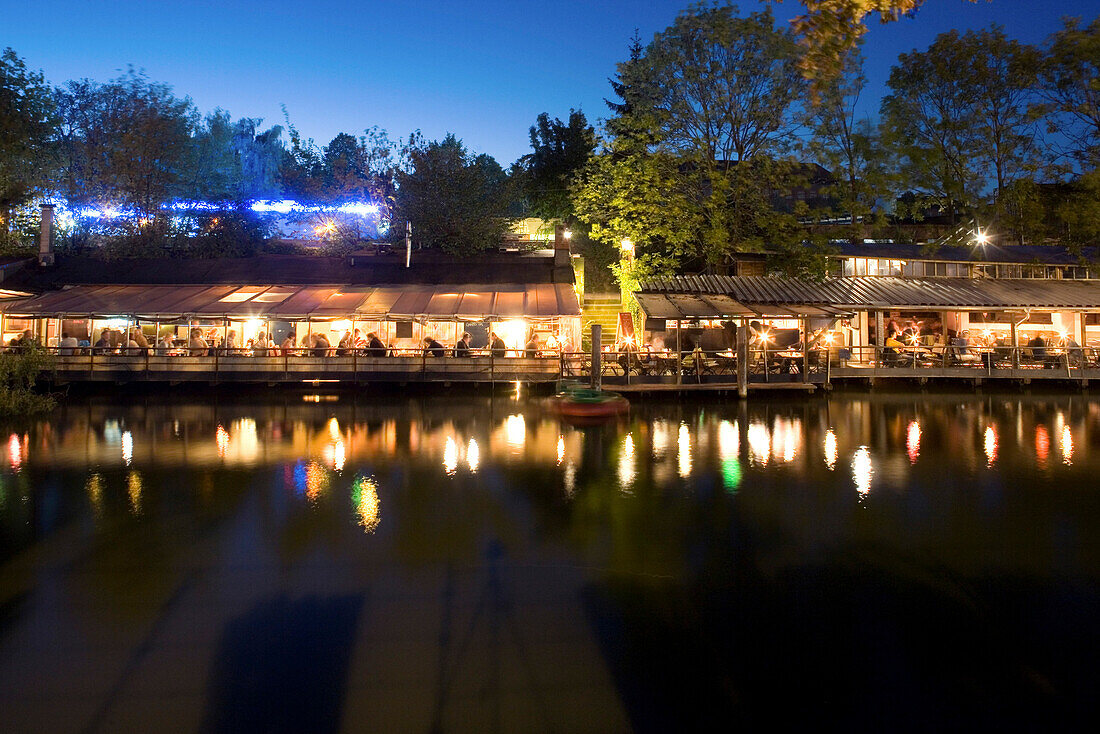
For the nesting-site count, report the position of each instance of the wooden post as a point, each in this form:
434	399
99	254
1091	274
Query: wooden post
597	369
1015	346
880	337
805	324
743	359
679	355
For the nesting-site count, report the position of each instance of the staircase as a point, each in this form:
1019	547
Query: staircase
602	309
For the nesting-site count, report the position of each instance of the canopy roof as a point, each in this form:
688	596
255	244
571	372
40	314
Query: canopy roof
303	302
718	296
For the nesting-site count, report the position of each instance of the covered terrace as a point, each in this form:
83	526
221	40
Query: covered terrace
299	332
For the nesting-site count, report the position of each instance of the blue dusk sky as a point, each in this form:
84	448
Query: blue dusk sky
483	69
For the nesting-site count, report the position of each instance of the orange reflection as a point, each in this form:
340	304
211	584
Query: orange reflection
133	491
316	480
1042	445
473	456
364	493
912	441
990	446
626	463
830	449
862	470
450	456
222	439
683	442
15	452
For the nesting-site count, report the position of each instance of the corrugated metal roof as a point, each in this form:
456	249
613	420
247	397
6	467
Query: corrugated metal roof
883	292
301	302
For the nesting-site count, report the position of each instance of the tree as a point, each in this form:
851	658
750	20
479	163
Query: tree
959	135
125	143
720	86
560	149
27	127
1070	91
456	202
1000	79
930	123
848	146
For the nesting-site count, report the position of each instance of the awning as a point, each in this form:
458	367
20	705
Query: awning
164	302
768	296
688	306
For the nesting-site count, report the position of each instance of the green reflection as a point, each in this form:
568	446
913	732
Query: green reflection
731	473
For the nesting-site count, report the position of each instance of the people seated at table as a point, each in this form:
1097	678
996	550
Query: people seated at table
433	348
628	356
262	346
196	345
1038	347
497	347
1074	353
375	347
164	343
531	349
137	341
67	345
319	345
346	343
357	340
462	346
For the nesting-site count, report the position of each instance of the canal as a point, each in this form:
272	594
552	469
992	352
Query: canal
887	561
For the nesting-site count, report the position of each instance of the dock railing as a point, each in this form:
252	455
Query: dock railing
714	367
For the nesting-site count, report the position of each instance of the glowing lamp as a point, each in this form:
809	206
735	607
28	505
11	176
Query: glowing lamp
627	245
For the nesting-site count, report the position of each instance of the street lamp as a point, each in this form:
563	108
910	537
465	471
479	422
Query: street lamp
981	238
627	246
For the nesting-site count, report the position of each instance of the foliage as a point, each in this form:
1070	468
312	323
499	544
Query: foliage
719	87
27	125
848	146
19	372
232	161
456	201
692	172
559	150
125	143
831	29
639	196
958	134
1070	91
1076	212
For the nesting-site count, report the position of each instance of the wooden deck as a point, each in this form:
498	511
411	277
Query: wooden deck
357	369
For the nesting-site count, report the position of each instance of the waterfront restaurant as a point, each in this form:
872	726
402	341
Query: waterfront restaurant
853	310
291	299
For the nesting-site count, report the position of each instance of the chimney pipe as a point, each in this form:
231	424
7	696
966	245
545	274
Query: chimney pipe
45	238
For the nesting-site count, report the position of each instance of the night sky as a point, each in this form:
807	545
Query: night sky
481	69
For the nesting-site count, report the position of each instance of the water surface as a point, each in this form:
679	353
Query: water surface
330	563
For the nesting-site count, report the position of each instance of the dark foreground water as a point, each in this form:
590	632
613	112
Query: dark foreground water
879	563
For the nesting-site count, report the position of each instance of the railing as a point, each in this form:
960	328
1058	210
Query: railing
698	366
297	365
1072	362
765	365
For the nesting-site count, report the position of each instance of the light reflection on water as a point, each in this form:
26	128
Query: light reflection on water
321	449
